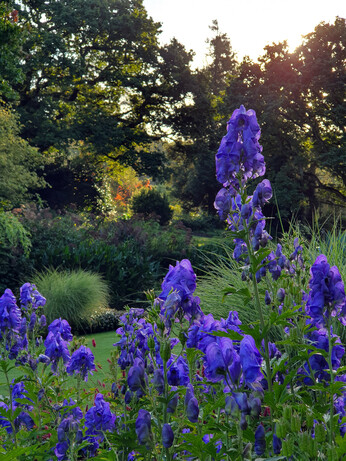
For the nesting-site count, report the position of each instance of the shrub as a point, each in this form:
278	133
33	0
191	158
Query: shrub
102	319
149	202
15	246
72	295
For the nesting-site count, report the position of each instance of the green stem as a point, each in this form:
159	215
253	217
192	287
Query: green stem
262	323
330	344
11	409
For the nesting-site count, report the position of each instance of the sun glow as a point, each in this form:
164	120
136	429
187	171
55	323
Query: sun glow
250	25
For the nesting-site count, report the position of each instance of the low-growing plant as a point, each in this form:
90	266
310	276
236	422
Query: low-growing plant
72	295
100	320
151	201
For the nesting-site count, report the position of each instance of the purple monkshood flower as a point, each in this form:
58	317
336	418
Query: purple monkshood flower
82	361
181	279
178	372
30	295
10	315
167	435
327	293
99	418
56	348
136	375
250	360
277	444
192	410
260	440
172	404
62	327
143	426
263	193
222	361
223	202
158	381
239	149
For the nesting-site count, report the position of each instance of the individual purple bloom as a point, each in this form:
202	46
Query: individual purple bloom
222	360
263	193
3	421
178	372
82	362
62	327
56	348
32	322
280	295
297	250
180	278
189	393
10	315
241	400
24	419
143	426
99	418
167	435
135	376
250	360
267	298
277	444
260	441
192	410
222	203
42	358
254	405
42	321
173	403
25	294
128	397
158	381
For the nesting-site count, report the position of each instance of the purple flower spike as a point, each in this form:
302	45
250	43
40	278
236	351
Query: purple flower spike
327	293
10	315
82	361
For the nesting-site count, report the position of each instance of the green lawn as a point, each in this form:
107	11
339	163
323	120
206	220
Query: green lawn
102	352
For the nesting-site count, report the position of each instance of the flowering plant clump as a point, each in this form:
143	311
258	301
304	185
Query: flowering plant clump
183	384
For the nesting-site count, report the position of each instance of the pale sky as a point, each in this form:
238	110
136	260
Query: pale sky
250	24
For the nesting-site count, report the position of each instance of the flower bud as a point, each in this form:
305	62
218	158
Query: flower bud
267	298
192	410
165	351
320	433
280	295
296	423
260	440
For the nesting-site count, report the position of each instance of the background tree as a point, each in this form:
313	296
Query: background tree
18	163
199	127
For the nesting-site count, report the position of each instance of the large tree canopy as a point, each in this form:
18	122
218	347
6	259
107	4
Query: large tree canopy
94	72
